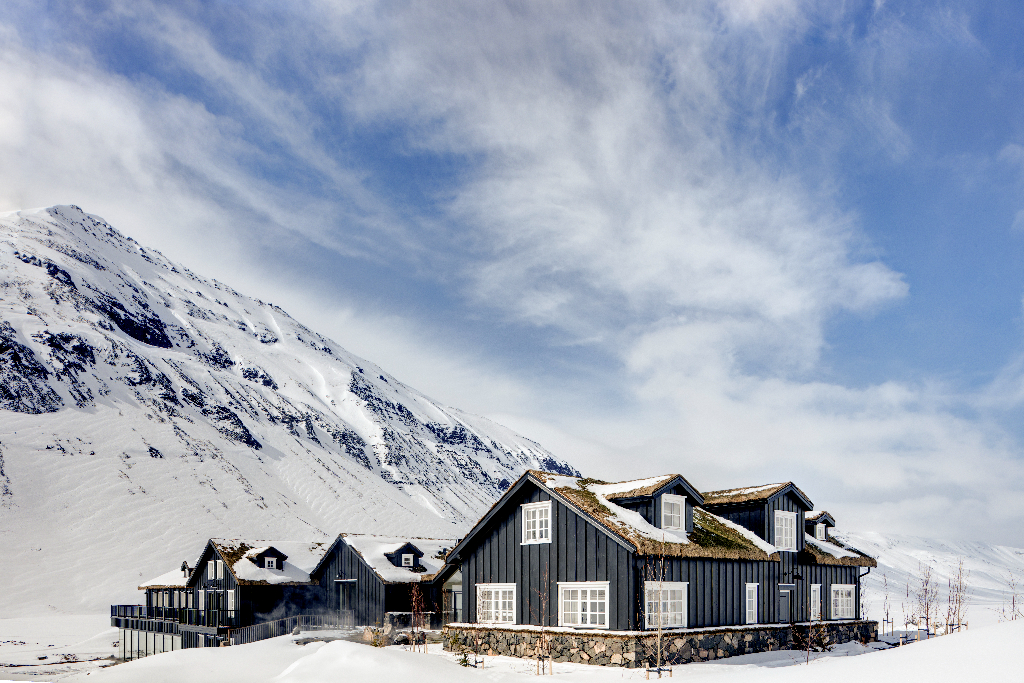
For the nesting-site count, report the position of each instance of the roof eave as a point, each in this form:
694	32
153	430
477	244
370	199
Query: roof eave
691	490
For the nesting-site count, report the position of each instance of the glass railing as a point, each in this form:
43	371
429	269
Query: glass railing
192	617
209	617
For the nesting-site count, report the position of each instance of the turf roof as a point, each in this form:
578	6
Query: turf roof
712	537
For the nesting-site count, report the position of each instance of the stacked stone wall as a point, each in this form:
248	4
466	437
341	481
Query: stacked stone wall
639	649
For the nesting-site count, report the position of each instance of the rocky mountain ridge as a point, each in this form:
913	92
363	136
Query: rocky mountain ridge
143	408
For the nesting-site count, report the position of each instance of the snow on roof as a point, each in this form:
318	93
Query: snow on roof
173	579
750	493
636	522
238	554
815	515
834	552
826	547
636	487
746	533
372	549
712	535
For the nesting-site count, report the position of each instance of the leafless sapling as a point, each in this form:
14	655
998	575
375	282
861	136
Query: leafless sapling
958	596
543	644
416	598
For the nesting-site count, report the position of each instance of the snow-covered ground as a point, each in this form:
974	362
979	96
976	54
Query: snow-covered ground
985	654
54	645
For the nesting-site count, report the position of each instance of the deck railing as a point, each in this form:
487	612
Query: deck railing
192	617
281	627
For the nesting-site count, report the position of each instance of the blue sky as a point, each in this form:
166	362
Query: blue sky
746	240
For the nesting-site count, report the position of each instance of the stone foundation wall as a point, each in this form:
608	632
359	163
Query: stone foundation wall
639	649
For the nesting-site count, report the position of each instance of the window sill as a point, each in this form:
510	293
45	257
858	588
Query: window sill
545	542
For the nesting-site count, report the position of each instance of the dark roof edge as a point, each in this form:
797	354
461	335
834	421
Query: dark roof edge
821	516
529	477
323	559
691	489
790	487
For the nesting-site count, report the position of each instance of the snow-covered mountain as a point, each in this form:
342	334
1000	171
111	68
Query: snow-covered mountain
144	409
901	563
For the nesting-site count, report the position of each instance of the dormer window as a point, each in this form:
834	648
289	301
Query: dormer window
270	562
819	532
785	530
673	512
408	560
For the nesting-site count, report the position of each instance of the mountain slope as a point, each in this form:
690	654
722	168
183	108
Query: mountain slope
901	564
144	408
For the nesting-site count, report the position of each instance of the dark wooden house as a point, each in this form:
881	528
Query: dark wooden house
234	583
579	553
357	580
376	579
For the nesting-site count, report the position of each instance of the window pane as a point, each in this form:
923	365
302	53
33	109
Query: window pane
486	606
570	606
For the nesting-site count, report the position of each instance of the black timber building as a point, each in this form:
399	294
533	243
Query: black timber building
235	584
570	552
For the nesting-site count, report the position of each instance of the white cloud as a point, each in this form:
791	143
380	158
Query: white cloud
618	189
615	203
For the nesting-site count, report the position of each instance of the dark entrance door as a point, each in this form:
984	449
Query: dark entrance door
347	601
785	608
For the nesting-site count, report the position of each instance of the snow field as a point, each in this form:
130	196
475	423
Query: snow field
984	654
901	558
46	647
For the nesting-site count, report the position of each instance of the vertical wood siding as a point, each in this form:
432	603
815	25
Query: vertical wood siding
751	517
579	551
368	594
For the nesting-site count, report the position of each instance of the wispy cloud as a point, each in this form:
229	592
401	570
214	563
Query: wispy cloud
651	187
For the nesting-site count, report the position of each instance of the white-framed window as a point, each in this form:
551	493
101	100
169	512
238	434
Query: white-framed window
673	511
407	560
496	603
583	604
537	522
815	602
270	562
843	601
220	570
750	602
665	601
785	530
819	532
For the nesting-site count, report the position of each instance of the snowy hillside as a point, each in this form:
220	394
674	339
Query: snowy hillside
144	409
901	560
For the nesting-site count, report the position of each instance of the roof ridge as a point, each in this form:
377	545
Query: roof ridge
751	488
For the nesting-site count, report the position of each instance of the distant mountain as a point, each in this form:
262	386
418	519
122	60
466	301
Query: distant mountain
901	565
144	408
